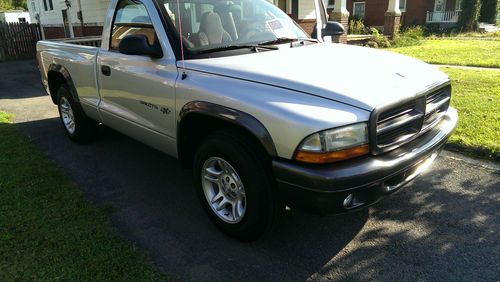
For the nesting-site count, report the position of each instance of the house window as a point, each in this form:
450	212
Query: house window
22	20
331	4
45	5
358	10
402	5
51	6
458	5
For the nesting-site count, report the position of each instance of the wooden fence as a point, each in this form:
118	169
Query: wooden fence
18	40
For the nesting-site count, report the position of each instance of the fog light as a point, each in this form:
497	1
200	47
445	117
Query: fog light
348	201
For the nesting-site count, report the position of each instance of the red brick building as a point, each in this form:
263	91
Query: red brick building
413	12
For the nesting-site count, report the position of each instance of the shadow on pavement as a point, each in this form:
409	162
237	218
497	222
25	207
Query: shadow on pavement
19	83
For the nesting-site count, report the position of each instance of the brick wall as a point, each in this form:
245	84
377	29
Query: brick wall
87	31
374	11
392	24
307	25
57	32
415	14
53	32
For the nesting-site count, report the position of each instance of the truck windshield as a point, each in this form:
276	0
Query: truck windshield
211	25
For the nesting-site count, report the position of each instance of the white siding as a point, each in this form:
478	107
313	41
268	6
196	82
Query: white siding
53	17
307	10
94	12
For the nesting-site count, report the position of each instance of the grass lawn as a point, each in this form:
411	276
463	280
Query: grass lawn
481	53
48	231
476	95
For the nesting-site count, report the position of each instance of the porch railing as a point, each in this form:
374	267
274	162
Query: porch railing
443	17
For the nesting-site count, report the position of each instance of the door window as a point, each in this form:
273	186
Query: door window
439	5
131	18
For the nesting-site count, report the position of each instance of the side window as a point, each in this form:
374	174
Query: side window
131	18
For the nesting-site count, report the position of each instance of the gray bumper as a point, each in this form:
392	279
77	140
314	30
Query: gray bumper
324	188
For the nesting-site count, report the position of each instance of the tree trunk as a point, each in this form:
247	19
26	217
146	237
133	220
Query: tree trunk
469	17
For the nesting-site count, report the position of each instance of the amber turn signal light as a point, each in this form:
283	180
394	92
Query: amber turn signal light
331	157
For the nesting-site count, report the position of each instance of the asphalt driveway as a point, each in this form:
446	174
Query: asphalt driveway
444	226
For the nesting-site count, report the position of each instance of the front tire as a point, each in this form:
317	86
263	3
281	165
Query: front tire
77	125
235	185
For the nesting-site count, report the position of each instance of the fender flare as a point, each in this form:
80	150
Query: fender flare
65	73
236	117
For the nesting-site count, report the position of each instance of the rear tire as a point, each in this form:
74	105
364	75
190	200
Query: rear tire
77	125
246	165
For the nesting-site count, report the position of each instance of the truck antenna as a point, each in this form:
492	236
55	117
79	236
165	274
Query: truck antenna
184	75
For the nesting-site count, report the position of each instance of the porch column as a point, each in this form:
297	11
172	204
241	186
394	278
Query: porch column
392	21
341	15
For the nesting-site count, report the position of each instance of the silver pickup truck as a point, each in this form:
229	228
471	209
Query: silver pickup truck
266	116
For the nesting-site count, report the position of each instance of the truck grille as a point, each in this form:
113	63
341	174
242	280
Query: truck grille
437	103
396	125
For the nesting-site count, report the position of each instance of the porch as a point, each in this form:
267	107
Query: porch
445	11
443	17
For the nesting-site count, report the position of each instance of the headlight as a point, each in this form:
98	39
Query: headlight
334	145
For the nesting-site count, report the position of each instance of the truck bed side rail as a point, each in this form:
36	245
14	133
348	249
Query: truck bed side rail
93	41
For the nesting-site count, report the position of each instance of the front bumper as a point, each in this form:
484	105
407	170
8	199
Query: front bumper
354	184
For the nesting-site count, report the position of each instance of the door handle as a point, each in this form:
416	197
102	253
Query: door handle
106	70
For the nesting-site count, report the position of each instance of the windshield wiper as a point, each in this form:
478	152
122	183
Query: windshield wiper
282	40
254	48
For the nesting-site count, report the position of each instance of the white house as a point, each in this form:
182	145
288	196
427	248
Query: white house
59	20
15	16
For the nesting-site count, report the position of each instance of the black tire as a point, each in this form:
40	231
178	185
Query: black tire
254	168
84	128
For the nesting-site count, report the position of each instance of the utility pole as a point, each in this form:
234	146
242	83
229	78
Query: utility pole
37	10
80	16
66	5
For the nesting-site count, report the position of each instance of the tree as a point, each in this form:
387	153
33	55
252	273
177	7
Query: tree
469	17
13	4
489	11
5	5
20	4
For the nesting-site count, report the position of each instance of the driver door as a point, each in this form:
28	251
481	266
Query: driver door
138	92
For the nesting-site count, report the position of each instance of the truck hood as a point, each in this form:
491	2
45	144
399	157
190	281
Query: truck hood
358	76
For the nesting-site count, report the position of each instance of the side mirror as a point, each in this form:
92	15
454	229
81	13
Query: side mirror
333	29
139	45
329	29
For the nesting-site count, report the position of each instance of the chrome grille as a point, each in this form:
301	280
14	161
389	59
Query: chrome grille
396	125
437	103
399	124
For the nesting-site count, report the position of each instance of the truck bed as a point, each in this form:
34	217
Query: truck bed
78	57
94	41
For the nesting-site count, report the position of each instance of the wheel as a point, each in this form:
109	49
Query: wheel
77	125
235	185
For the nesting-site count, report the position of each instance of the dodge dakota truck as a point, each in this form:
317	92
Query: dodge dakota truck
266	116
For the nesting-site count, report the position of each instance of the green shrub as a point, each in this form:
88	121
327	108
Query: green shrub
436	29
356	26
489	11
378	41
409	37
